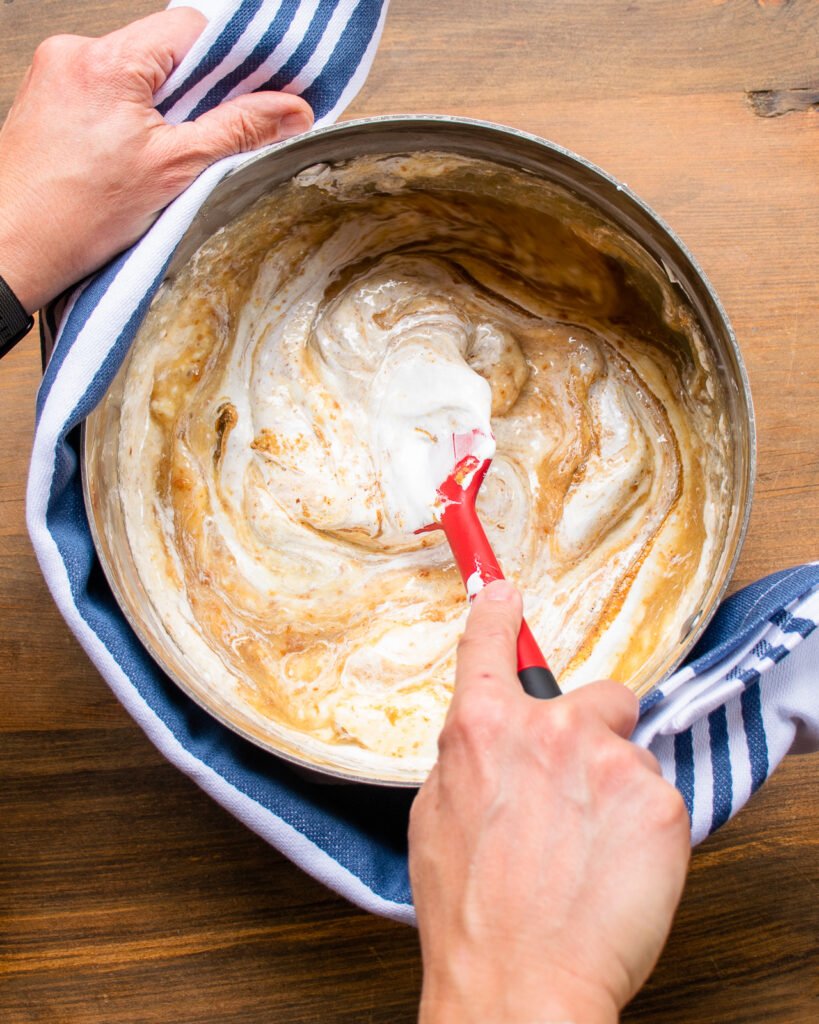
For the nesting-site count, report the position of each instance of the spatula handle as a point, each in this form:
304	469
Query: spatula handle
473	554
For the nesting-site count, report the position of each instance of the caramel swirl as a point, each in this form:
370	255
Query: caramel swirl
273	380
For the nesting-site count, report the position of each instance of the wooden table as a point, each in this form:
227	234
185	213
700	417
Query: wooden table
126	895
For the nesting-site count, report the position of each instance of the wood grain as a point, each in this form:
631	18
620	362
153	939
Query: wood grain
126	895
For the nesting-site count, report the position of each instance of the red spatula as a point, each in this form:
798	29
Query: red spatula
458	518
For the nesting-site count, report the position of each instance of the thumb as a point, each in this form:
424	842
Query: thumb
487	652
239	126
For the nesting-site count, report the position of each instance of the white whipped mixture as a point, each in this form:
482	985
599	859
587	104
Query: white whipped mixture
409	389
288	417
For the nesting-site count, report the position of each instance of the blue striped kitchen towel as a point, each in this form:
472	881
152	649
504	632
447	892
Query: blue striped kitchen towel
719	726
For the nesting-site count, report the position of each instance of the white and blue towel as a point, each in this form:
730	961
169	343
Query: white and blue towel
720	725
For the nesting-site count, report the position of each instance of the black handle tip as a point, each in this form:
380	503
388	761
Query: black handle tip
539	682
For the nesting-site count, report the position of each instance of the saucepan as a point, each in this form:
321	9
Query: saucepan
611	202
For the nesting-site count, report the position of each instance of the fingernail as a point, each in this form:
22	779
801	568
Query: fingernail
499	590
293	124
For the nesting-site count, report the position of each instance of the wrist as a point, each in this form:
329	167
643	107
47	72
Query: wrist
547	996
18	268
24	264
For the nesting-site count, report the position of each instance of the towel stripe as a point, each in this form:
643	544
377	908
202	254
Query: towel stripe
721	766
793	624
684	762
323	94
263	50
220	50
84	305
751	703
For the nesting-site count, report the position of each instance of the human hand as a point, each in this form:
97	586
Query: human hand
547	853
87	163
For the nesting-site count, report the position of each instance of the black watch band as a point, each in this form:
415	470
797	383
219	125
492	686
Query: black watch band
15	322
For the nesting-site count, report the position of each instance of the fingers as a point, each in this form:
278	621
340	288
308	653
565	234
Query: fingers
161	40
487	661
612	702
487	652
243	124
646	758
